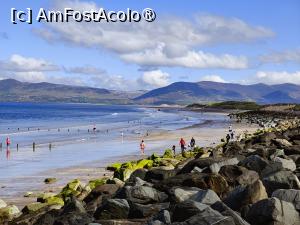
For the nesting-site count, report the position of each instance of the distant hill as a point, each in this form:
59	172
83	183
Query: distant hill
15	91
206	91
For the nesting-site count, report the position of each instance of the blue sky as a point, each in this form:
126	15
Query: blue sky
227	41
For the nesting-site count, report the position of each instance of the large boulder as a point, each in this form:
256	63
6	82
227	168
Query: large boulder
208	197
272	211
144	194
254	162
184	193
283	179
189	212
163	217
281	143
215	167
113	209
288	195
286	163
143	211
184	210
244	195
226	211
237	175
202	163
140	173
8	213
204	181
106	189
160	173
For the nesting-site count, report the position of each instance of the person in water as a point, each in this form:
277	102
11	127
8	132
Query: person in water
182	145
7	141
142	147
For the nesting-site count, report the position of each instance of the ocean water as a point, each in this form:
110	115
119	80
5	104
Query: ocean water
69	130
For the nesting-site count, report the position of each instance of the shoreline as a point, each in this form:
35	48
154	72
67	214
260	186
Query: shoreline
206	136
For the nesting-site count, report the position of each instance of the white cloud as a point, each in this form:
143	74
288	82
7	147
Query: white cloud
155	78
276	77
282	56
214	78
179	37
27	64
190	59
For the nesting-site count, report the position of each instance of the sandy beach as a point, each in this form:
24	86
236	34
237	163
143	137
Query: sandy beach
206	134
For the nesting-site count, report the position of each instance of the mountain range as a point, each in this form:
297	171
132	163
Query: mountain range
15	91
177	93
206	91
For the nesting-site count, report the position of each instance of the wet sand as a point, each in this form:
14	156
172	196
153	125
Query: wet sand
206	134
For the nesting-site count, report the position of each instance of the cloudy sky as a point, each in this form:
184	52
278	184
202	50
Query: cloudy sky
245	42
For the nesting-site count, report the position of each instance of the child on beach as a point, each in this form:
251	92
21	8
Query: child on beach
142	147
174	149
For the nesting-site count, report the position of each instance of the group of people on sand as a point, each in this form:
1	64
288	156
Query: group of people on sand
182	145
230	135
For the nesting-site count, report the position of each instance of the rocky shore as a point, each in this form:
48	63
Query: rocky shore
251	181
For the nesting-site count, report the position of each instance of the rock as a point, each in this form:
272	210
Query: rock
283	179
281	143
214	182
292	150
73	219
2	204
207	197
168	153
50	180
8	213
163	216
184	210
188	213
144	163
113	209
288	195
73	188
286	163
249	194
114	167
43	216
43	196
144	211
237	175
55	201
272	211
200	163
160	173
144	194
139	182
232	148
94	183
169	162
184	193
254	162
27	194
106	189
140	173
33	207
116	181
74	206
226	211
215	167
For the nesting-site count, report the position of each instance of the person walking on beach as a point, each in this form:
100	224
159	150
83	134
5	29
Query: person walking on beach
192	143
142	147
7	142
227	138
182	145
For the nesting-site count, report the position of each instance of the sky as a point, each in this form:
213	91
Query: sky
250	41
